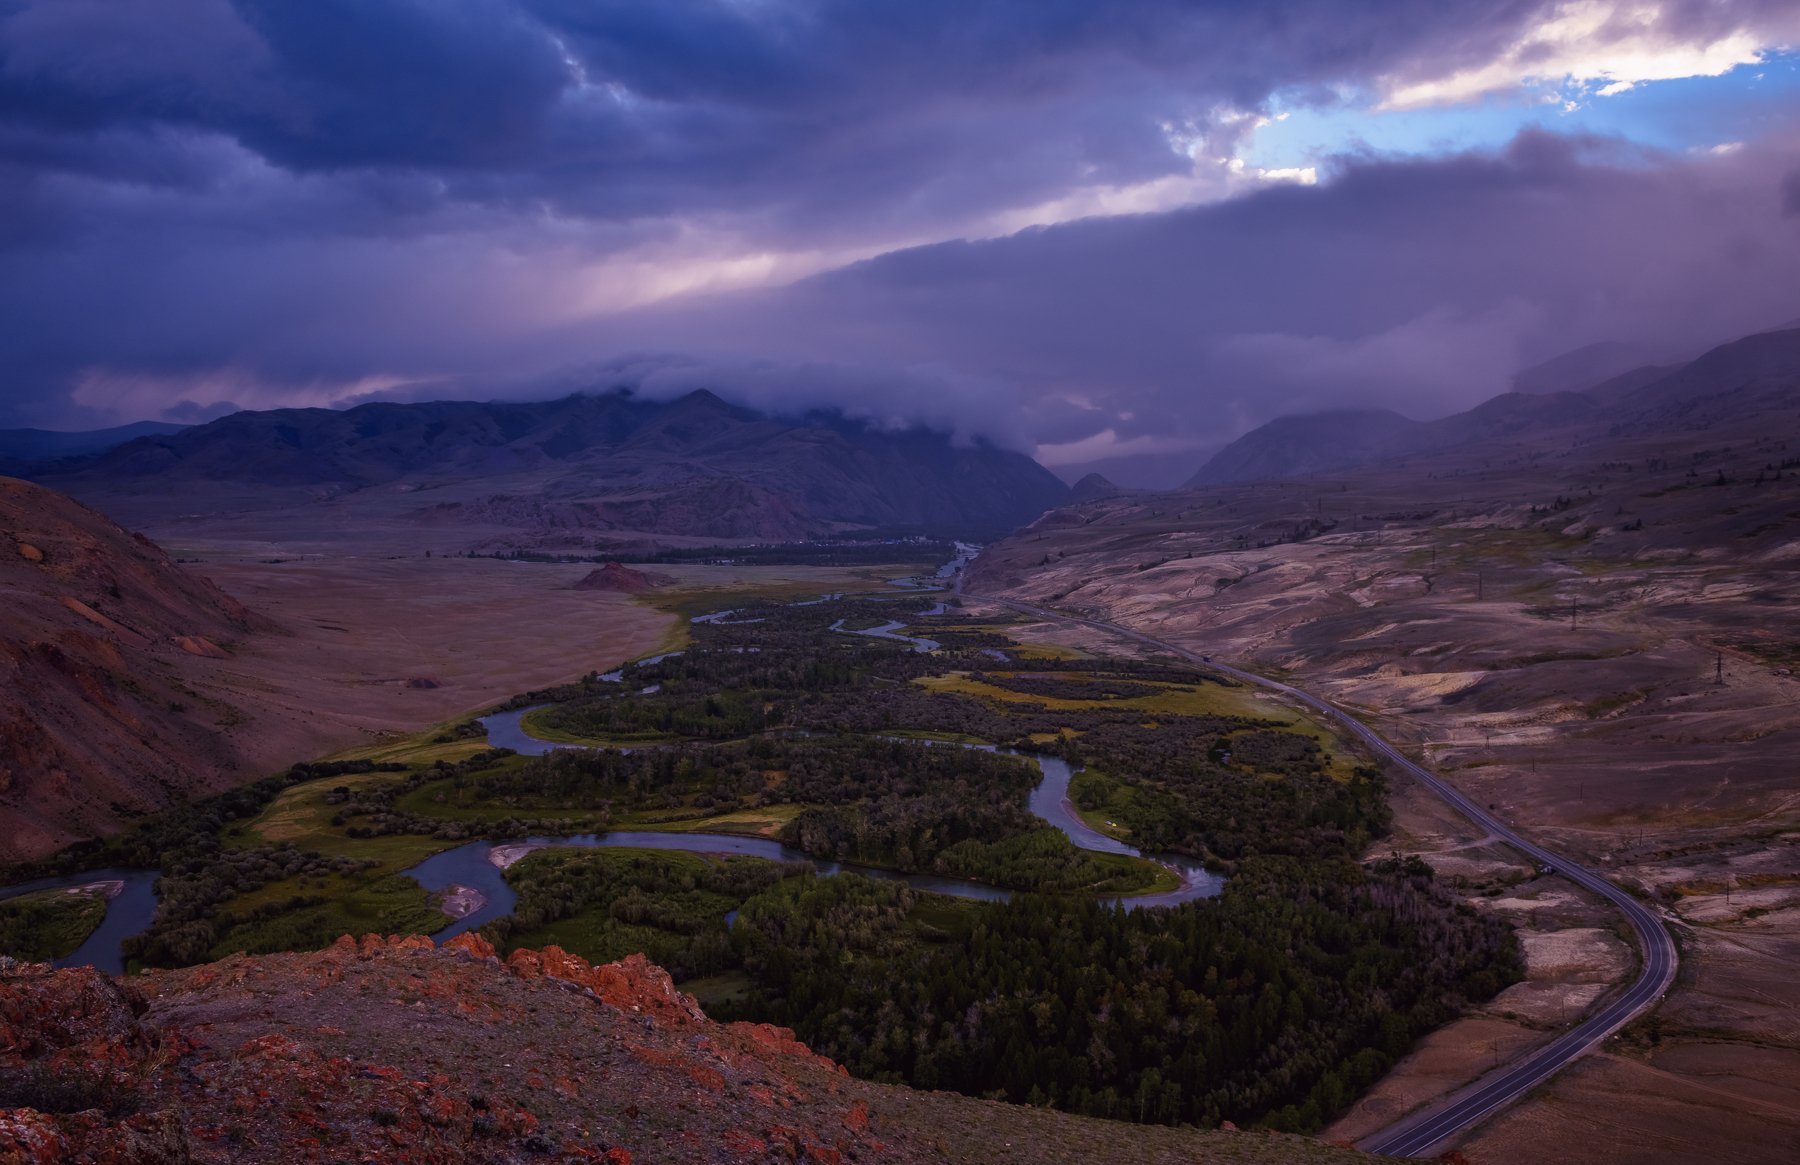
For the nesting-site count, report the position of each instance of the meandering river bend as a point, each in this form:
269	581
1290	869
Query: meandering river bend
472	866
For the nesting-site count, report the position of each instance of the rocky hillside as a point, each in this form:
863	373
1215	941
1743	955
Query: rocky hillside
559	472
100	642
395	1051
616	576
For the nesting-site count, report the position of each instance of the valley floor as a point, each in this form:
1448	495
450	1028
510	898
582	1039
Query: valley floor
1572	685
786	721
374	648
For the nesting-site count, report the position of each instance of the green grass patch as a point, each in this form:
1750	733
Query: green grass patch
50	924
302	815
941	912
690	601
1102	802
714	990
444	801
1045	651
764	821
604	904
1203	699
421	748
534	724
306	914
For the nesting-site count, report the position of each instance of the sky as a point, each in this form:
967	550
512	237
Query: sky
1115	235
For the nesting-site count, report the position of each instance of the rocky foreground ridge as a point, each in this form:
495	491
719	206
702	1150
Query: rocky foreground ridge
393	1050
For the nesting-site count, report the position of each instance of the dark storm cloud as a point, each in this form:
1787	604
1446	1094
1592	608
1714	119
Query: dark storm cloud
269	201
1416	285
617	108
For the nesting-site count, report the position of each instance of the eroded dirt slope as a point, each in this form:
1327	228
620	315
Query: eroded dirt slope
99	635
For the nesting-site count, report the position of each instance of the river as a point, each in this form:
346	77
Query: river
128	912
471	866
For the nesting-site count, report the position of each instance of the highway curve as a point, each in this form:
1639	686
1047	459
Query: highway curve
1418	1134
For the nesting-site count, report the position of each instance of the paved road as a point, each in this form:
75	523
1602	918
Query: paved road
1425	1130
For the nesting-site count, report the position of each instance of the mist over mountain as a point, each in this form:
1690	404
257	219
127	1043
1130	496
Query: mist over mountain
20	448
1587	366
1753	375
611	462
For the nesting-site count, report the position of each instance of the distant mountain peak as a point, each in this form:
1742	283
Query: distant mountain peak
1092	488
1293	446
1749	376
1583	367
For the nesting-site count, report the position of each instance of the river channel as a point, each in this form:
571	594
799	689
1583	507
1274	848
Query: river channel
475	866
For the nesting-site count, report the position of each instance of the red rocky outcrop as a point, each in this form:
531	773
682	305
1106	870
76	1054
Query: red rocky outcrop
616	576
389	1049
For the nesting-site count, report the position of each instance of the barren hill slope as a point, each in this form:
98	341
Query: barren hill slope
98	640
131	684
393	1051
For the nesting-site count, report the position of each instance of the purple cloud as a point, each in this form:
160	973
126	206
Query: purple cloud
260	202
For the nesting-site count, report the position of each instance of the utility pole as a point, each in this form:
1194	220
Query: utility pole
1719	670
1573	605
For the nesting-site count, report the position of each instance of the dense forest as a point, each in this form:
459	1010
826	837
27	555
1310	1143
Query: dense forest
1279	1001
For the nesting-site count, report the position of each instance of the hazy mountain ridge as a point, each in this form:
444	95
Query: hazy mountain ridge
693	466
1093	488
1587	366
21	448
1755	374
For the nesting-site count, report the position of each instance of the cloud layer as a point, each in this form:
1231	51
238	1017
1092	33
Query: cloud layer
1418	285
262	202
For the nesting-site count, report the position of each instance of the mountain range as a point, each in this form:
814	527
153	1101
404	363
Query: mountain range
20	448
1754	375
583	469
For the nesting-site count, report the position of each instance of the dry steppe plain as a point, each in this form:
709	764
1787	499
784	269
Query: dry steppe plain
360	633
1602	652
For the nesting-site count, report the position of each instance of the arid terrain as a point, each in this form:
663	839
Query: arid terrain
150	683
1598	641
393	1050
